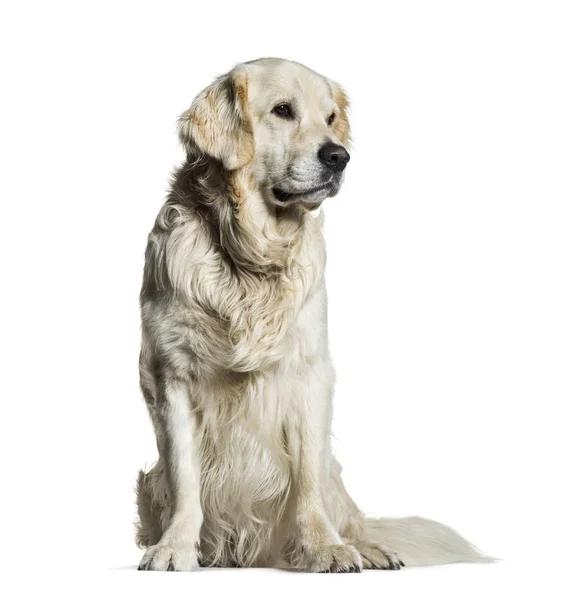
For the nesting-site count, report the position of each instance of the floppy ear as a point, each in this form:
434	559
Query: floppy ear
341	126
218	123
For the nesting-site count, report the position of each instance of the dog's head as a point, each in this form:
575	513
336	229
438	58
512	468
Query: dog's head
285	123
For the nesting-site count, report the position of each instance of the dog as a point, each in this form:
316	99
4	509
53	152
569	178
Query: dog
234	366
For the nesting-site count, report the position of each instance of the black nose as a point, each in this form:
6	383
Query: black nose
333	156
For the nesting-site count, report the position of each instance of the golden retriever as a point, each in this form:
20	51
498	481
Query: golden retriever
234	367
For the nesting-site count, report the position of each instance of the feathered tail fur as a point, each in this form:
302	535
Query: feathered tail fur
423	542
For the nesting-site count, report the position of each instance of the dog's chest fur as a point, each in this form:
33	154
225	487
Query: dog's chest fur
208	318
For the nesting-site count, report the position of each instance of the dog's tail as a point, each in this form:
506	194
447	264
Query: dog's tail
420	542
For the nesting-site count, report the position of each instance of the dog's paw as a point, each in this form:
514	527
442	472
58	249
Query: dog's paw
163	557
330	559
377	556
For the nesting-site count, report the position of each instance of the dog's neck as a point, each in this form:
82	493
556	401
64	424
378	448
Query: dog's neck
256	236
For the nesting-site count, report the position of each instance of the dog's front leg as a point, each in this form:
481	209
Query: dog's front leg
178	547
314	544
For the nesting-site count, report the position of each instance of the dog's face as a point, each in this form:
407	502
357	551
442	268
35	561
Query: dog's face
295	117
285	123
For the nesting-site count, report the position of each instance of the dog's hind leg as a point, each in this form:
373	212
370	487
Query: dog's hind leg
153	507
351	525
152	498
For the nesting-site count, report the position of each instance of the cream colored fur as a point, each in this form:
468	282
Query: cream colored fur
235	367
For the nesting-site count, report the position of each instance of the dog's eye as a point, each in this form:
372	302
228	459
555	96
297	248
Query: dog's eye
331	119
284	111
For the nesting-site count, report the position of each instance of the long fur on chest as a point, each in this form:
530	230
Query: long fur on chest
226	278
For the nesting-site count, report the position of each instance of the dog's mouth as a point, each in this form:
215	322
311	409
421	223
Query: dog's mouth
284	196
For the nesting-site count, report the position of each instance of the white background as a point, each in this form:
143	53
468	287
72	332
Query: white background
451	278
